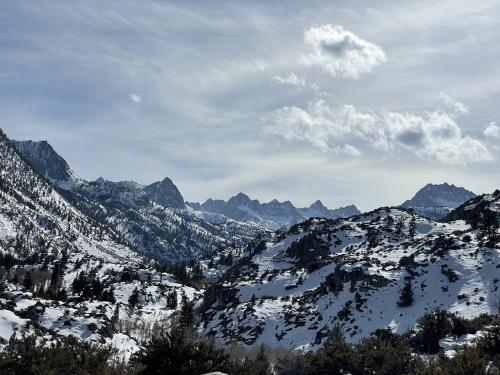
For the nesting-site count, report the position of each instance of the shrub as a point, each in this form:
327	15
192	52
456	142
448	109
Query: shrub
66	356
175	353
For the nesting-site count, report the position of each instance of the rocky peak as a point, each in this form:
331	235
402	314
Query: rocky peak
437	200
46	161
165	193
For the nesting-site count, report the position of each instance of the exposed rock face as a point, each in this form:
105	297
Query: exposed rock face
46	161
165	193
436	201
273	214
318	209
152	218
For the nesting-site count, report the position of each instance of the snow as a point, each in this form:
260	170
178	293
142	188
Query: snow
10	323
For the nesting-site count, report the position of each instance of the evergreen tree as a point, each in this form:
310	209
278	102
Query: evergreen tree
28	281
406	296
186	314
174	353
134	298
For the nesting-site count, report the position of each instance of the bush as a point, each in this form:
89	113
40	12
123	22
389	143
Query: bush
66	356
384	353
406	296
432	327
337	357
175	353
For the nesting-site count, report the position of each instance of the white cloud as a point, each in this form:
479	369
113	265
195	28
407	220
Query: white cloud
291	79
492	130
433	135
136	98
452	106
340	52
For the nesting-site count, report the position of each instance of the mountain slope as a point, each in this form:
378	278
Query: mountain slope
273	214
165	193
62	273
47	162
436	201
318	209
152	218
292	287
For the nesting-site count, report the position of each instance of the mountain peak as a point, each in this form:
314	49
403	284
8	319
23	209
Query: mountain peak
46	161
317	205
165	193
436	200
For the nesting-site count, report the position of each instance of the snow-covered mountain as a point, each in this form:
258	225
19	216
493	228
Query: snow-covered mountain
151	218
436	201
273	214
166	194
63	273
318	209
48	163
290	288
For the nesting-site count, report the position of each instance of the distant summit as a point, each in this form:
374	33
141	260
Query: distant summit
436	201
165	193
273	214
318	209
46	161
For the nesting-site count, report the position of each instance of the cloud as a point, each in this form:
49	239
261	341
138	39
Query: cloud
492	131
452	106
433	135
291	79
340	52
136	98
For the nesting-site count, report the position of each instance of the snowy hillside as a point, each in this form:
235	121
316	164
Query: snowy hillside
63	273
152	218
436	201
48	163
292	287
273	214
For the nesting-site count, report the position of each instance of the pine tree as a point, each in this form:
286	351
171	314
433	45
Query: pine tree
134	298
28	281
406	296
186	314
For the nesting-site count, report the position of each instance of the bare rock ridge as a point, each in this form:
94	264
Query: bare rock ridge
165	193
273	214
437	201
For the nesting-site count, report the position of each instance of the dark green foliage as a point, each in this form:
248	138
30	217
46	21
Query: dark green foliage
26	356
135	298
406	296
186	314
337	357
489	343
385	353
432	327
174	353
28	281
412	227
196	272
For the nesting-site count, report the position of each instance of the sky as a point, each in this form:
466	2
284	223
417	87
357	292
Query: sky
358	102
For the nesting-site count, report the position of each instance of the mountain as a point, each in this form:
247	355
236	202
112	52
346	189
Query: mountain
478	211
62	273
150	218
166	194
290	288
436	201
317	209
48	163
273	214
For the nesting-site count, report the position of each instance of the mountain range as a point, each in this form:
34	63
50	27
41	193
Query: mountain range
273	214
152	218
87	259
